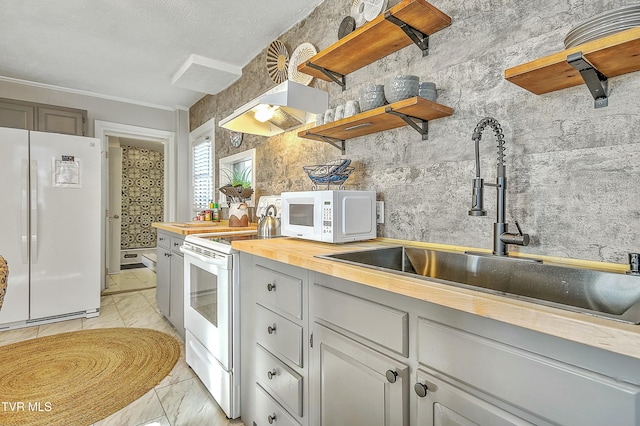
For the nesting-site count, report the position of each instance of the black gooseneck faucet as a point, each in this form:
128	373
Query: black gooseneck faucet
500	235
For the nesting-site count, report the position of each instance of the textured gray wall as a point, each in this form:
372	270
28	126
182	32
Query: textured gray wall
573	170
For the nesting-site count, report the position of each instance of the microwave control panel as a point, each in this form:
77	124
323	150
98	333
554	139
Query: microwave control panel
327	218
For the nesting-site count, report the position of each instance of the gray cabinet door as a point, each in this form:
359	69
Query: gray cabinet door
17	115
176	292
163	279
354	385
61	120
440	401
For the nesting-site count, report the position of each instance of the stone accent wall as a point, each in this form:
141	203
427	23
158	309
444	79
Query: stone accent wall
142	196
573	171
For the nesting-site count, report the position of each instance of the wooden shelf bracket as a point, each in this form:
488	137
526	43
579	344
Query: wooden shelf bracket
419	125
596	81
334	76
335	142
418	37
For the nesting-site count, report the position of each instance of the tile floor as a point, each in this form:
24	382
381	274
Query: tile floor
180	399
129	280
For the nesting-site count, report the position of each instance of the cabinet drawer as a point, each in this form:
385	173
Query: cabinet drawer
176	242
163	240
284	384
527	380
279	292
269	412
279	335
372	321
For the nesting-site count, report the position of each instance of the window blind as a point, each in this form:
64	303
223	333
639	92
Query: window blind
202	174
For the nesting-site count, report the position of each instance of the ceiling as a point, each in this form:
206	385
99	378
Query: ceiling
162	53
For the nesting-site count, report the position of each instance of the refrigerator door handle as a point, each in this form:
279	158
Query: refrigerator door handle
33	178
24	219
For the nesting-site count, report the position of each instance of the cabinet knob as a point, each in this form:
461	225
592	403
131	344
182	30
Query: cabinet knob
271	287
421	389
167	254
160	239
271	374
272	418
176	244
271	329
391	376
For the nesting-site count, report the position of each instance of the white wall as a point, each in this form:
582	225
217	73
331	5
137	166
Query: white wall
123	113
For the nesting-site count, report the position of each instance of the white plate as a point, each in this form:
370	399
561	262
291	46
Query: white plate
302	54
357	12
373	8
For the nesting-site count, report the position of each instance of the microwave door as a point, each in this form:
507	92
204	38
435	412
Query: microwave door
301	219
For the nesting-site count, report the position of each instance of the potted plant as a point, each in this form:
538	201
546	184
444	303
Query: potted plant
238	190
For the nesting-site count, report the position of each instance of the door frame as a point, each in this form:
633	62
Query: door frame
104	129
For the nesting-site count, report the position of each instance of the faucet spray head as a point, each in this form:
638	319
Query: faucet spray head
477	198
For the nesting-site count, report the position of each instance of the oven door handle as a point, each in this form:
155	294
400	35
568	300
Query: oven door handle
211	260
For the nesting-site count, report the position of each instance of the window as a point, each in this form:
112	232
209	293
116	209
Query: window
238	163
202	153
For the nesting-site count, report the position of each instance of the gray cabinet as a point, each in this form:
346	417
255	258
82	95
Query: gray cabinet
353	385
331	352
275	372
170	278
442	401
44	118
352	381
558	392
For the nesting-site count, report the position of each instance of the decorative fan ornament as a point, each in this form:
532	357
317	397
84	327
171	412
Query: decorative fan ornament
357	12
302	54
277	61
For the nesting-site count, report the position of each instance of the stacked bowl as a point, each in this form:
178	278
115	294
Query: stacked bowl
401	87
372	96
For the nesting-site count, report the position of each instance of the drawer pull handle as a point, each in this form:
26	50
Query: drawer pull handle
271	287
271	329
167	254
421	389
272	418
271	374
391	376
176	244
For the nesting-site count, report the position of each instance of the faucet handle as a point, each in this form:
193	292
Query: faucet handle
520	238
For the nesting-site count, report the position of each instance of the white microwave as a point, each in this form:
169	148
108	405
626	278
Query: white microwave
329	216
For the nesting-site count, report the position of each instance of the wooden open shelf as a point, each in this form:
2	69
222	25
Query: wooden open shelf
612	55
377	39
377	120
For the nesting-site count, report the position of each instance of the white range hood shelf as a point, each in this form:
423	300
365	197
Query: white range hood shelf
296	104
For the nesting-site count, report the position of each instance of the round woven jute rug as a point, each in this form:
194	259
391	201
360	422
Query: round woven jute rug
81	377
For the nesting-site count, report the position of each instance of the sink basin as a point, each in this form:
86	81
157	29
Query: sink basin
604	294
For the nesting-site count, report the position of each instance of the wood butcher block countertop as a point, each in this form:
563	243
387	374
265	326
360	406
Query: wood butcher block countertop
602	333
201	227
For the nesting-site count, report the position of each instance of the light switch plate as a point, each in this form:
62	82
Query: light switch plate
379	211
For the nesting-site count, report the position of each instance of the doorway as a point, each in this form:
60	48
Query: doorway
114	136
136	200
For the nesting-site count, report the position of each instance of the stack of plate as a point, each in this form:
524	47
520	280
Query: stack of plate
604	24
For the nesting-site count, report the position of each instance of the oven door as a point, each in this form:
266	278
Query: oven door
208	285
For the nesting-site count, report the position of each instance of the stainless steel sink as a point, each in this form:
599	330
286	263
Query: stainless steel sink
604	294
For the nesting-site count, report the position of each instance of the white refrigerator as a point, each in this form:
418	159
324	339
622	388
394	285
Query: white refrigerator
50	218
